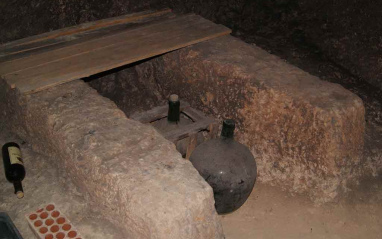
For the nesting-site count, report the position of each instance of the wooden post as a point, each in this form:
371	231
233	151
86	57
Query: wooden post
191	145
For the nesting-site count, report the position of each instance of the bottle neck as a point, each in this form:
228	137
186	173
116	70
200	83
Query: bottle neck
18	189
228	129
173	109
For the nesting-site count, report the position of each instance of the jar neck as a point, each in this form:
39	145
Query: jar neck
18	186
228	129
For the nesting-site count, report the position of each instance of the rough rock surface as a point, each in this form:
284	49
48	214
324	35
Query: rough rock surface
130	92
130	174
307	133
44	184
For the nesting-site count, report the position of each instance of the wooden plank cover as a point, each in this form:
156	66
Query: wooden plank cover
49	66
69	33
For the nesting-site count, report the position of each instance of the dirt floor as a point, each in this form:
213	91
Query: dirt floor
271	213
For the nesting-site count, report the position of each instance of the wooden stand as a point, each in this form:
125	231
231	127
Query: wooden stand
193	128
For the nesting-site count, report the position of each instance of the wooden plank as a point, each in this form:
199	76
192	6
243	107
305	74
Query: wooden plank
129	41
156	113
107	45
83	46
187	130
34	48
142	45
194	114
69	31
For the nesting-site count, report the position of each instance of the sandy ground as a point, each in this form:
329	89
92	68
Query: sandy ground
271	213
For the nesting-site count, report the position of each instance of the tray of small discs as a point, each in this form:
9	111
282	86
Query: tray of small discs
49	223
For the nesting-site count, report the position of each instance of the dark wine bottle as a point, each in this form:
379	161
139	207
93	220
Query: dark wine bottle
173	109
14	166
228	166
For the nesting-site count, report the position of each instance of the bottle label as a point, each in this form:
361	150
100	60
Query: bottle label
15	155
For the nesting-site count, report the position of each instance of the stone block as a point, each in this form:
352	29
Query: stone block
129	173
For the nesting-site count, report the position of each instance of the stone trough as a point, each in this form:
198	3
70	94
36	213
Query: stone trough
307	134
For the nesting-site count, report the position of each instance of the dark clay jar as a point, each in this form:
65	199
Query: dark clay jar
228	166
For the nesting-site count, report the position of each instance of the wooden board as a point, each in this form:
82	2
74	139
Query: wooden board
53	59
156	113
190	129
51	53
48	43
70	33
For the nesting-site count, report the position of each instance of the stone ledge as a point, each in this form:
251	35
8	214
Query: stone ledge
133	176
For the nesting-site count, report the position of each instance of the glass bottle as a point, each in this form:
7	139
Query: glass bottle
14	166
